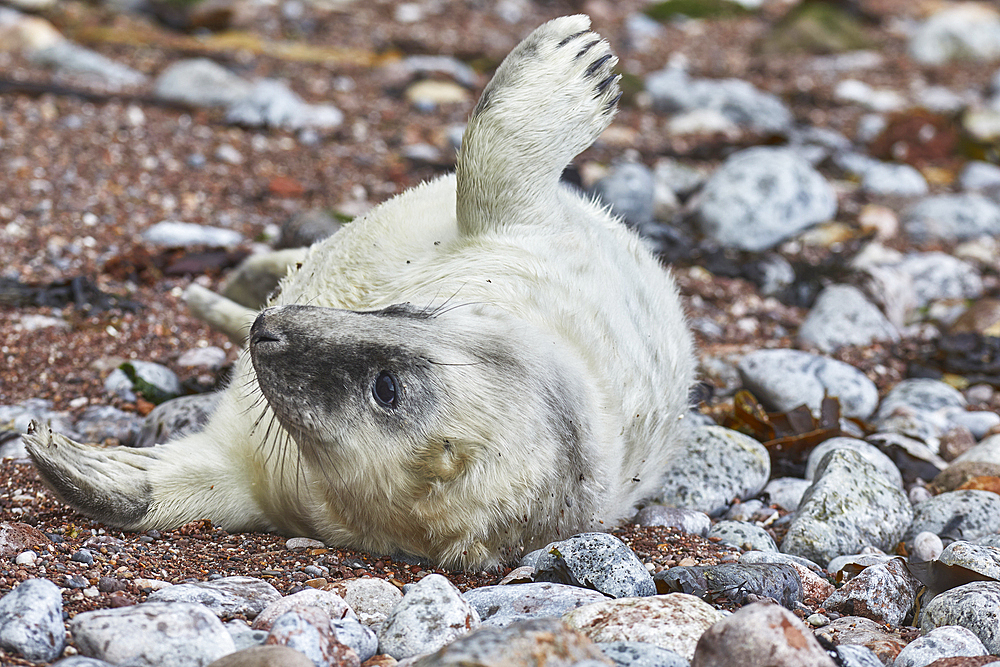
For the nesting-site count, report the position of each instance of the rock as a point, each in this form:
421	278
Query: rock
979	558
779	581
687	521
812	578
673	621
432	614
843	316
271	103
850	506
881	100
152	634
360	638
743	536
759	634
243	635
943	642
98	423
870	452
963	31
331	604
677	177
853	655
965	515
735	100
974	606
306	228
640	654
155	382
936	275
979	176
210	358
263	656
502	605
715	466
68	58
229	154
176	417
926	546
229	596
200	82
762	196
785	379
864	632
371	599
786	492
888	179
952	218
752	510
885	593
428	94
31	622
544	642
173	234
923	395
423	65
628	190
308	631
598	561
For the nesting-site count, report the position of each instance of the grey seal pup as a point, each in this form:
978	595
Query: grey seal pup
480	365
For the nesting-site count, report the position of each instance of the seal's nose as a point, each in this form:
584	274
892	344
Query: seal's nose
261	333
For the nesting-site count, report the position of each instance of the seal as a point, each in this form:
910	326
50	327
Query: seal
484	363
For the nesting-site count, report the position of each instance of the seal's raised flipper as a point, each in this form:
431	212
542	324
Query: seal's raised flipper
548	101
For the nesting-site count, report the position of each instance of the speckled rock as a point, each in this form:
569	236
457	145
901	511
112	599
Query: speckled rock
360	638
152	634
229	596
155	382
98	423
331	603
761	196
640	654
854	655
628	190
975	606
980	558
779	581
843	316
173	418
308	631
271	103
785	379
959	31
715	466
431	614
936	275
544	642
31	622
673	621
502	605
598	561
870	452
812	577
760	634
919	399
885	593
264	656
943	642
786	492
372	599
850	506
952	218
688	521
894	180
743	535
966	515
863	632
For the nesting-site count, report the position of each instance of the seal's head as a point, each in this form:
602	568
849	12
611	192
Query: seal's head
415	423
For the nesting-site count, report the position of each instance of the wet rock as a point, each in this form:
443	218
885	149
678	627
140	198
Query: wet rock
762	196
943	642
228	596
271	103
952	218
743	536
545	642
785	379
308	631
759	634
331	604
894	180
502	605
31	622
964	31
715	466
863	632
786	492
172	234
431	614
152	634
673	621
200	82
179	416
628	190
975	606
371	599
843	316
870	452
957	515
598	561
688	521
885	593
779	581
850	506
640	654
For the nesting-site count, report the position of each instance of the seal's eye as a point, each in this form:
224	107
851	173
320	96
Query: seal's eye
384	390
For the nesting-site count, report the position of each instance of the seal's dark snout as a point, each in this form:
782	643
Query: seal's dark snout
261	332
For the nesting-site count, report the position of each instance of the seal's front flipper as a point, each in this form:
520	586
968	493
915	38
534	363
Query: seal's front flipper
111	485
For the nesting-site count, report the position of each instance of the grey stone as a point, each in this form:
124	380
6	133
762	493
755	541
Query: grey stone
598	561
370	598
926	547
641	654
855	630
974	606
425	64
894	180
786	492
273	104
502	605
743	536
944	642
433	613
854	655
153	381
979	422
152	634
173	234
688	521
98	423
987	451
329	602
850	506
884	592
81	661
713	466
936	275
871	453
679	178
920	394
309	632
841	315
228	596
952	218
243	635
752	510
200	82
31	621
958	515
965	31
362	639
68	58
309	227
785	379
980	558
762	196
778	581
176	417
979	176
628	190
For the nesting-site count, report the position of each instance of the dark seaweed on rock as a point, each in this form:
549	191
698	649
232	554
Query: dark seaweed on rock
734	581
